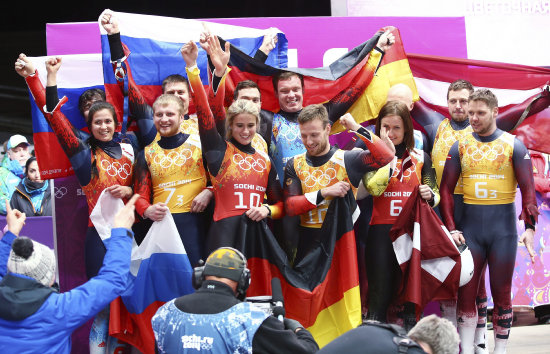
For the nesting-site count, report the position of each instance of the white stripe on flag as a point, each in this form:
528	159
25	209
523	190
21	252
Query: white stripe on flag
438	267
435	92
77	70
177	30
402	247
416	236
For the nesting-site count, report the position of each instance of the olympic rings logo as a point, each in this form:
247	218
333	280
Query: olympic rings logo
319	177
486	152
288	133
59	192
406	174
173	158
116	168
247	163
448	138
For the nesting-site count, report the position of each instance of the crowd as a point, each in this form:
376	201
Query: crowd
209	169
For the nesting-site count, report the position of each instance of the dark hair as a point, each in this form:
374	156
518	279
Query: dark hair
173	79
285	75
92	141
484	95
22	246
28	163
396	108
312	112
244	85
460	85
90	95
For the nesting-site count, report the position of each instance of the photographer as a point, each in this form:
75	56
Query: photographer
213	319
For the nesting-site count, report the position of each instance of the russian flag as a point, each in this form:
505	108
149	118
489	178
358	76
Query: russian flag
159	272
78	73
155	41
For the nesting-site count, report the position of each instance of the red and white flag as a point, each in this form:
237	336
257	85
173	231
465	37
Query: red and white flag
426	253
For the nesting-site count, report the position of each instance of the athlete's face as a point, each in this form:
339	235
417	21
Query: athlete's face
482	118
315	137
250	94
33	173
87	104
289	93
243	128
167	119
20	153
179	89
395	128
458	104
103	125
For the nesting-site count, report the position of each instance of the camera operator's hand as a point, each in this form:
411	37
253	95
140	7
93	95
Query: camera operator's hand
293	325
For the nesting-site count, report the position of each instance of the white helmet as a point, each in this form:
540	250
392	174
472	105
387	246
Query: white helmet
467	264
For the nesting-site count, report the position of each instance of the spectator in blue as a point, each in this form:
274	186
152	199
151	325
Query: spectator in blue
32	196
12	168
35	317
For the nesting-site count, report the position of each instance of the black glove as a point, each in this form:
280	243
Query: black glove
292	324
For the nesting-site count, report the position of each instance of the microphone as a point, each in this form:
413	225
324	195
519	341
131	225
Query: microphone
277	299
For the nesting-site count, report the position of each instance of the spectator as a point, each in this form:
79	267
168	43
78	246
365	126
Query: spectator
31	309
11	170
32	196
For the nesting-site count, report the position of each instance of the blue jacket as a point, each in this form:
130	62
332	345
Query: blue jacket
48	329
9	179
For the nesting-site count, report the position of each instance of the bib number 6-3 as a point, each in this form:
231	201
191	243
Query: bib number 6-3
395	209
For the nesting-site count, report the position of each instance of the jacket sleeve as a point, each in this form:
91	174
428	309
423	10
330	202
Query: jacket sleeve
272	337
5	248
77	306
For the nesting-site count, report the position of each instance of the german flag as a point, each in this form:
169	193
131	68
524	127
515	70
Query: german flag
357	82
322	290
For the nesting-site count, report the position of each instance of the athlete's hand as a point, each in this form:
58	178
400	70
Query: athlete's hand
23	66
269	42
125	217
52	67
338	189
201	201
156	212
118	191
387	39
109	22
425	192
349	122
386	139
258	213
528	239
15	219
218	56
190	53
458	238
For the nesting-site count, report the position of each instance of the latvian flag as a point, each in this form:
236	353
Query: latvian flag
515	86
426	253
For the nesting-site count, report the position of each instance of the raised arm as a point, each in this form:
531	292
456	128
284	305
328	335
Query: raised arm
216	90
76	150
343	101
508	120
138	107
213	144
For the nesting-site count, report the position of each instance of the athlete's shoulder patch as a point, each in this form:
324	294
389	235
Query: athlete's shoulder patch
527	157
288	181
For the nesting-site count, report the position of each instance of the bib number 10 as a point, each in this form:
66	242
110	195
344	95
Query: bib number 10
481	192
255	200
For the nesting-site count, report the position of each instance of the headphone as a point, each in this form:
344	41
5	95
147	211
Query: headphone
242	283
